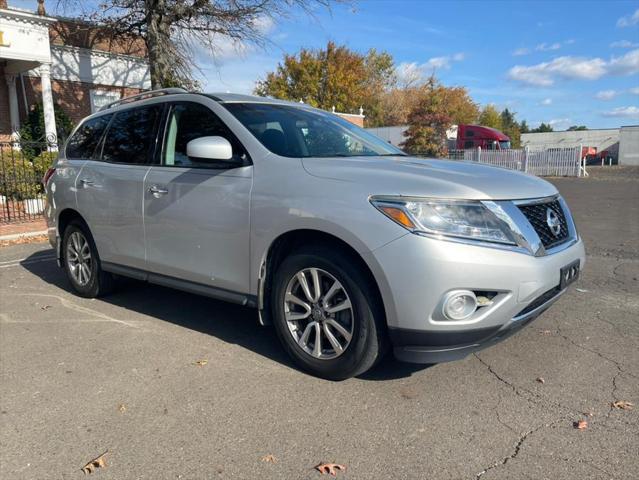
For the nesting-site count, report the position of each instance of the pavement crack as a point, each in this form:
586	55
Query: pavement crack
516	449
524	393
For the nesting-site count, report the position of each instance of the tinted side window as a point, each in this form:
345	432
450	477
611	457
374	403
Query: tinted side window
470	133
188	121
83	142
131	136
468	144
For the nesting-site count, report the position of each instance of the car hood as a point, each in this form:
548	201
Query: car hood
412	176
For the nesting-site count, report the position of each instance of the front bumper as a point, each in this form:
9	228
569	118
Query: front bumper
414	273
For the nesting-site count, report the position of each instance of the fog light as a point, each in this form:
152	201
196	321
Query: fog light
459	304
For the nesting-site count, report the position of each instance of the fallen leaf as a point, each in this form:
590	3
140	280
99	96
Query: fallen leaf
95	463
581	290
269	458
201	363
580	425
330	468
623	405
589	413
45	307
541	380
122	408
24	239
545	332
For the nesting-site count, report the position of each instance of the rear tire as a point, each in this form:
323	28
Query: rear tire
320	291
82	262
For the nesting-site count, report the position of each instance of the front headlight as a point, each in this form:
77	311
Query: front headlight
465	219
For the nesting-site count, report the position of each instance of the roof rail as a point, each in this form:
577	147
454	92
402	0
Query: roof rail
143	95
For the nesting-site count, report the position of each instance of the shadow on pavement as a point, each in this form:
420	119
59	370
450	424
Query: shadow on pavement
228	322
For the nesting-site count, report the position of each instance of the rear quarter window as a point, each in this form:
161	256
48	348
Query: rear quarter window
83	142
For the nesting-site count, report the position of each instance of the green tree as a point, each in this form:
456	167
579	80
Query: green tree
428	121
490	117
510	127
574	128
460	107
334	76
523	127
32	133
542	128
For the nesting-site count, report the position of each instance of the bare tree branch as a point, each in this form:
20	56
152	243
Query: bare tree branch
172	30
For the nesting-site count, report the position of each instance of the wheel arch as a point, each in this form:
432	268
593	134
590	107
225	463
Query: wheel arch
65	217
289	241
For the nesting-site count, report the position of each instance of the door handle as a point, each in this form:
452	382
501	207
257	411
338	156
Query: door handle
85	182
157	192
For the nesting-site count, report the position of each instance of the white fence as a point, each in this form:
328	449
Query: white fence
550	162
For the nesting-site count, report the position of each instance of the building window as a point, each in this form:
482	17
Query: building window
99	98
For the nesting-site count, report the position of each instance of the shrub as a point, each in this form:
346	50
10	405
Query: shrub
18	180
42	162
32	134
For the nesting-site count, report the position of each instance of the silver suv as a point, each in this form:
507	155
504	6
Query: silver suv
345	244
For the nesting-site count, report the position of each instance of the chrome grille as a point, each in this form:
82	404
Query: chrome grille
537	216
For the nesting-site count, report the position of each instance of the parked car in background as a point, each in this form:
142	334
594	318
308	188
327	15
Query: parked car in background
346	245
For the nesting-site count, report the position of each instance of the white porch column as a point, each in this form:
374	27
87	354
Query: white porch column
47	106
14	114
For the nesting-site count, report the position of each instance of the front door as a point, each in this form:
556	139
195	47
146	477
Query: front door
197	212
110	187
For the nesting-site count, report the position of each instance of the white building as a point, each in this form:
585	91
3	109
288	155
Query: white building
72	64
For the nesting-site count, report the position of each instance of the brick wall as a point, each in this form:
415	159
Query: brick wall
85	35
73	97
5	122
354	119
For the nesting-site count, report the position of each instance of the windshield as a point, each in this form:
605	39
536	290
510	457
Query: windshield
298	132
504	145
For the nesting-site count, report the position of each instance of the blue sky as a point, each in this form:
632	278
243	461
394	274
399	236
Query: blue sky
563	62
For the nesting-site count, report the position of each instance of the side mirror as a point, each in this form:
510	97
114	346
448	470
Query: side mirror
210	148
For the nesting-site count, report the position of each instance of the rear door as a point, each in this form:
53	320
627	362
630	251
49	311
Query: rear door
197	212
110	187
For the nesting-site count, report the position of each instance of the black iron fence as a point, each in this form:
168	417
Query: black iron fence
22	168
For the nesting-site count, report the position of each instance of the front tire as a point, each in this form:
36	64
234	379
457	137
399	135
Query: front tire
327	314
82	262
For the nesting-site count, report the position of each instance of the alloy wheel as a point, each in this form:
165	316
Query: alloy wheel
79	258
319	313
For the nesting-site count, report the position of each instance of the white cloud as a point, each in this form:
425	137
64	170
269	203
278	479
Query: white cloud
625	65
560	122
624	44
544	74
410	73
634	90
546	101
606	95
224	47
575	68
625	112
629	20
543	47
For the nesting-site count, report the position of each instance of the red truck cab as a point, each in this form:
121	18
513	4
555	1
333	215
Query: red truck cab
473	136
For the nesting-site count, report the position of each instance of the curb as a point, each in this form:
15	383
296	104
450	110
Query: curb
16	236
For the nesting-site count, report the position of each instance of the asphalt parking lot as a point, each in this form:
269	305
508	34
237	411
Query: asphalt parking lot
121	374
